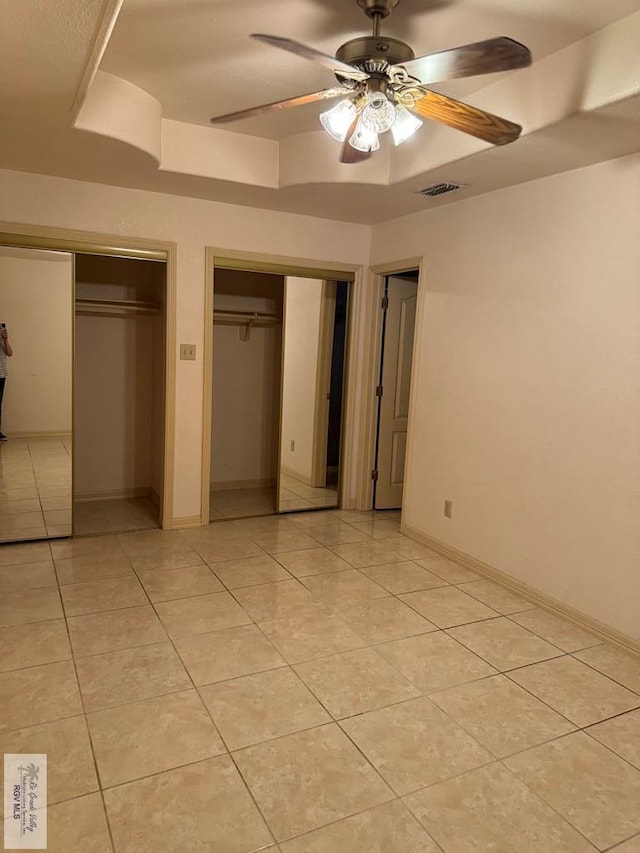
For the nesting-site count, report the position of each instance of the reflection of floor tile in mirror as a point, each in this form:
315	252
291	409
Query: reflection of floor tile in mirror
114	516
294	494
35	487
239	503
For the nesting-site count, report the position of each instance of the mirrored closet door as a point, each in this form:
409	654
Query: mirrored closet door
314	345
36	334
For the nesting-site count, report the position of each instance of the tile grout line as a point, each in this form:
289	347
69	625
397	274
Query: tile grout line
89	736
549	805
369	645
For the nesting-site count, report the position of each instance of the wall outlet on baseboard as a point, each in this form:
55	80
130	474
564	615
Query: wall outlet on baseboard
448	509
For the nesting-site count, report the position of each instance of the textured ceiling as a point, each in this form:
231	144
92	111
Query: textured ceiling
191	59
197	58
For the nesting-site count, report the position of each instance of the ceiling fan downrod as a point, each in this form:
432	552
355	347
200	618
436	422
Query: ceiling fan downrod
377	10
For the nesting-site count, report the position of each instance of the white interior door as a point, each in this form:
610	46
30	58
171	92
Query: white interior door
397	352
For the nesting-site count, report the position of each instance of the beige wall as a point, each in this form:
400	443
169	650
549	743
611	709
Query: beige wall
245	412
526	385
112	437
245	396
36	290
192	224
303	300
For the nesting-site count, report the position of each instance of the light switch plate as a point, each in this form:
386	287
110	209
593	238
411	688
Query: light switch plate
187	352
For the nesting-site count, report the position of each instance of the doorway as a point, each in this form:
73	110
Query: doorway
119	399
43	476
393	392
247	343
276	385
338	351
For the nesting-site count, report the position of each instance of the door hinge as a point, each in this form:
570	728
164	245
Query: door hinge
385	303
374	474
379	391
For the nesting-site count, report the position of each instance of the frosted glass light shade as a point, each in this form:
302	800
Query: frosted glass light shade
364	139
379	114
338	119
405	125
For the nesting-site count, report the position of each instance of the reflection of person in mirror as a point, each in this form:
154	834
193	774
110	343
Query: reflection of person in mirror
6	350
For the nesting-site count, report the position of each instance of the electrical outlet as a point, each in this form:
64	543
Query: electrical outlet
448	509
187	352
293	445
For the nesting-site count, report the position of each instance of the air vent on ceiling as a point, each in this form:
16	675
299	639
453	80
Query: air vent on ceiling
439	189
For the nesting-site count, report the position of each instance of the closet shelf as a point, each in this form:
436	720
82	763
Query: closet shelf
115	307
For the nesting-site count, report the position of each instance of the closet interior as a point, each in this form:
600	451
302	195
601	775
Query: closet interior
247	344
119	399
279	346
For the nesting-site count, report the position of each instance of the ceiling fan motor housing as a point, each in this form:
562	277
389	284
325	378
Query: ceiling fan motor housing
361	50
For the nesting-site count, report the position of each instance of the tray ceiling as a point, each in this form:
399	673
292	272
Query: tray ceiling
122	92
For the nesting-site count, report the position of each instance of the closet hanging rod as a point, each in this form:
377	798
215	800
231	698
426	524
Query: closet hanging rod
241	318
100	307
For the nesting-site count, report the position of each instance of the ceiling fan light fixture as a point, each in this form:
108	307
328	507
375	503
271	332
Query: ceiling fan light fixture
339	119
379	114
364	139
405	125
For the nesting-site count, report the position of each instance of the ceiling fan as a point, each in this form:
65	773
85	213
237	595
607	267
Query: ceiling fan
384	87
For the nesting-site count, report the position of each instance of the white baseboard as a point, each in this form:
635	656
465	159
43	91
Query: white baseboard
228	485
63	436
296	475
114	494
548	602
184	522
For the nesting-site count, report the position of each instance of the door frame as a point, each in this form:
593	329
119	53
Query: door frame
371	372
100	243
355	274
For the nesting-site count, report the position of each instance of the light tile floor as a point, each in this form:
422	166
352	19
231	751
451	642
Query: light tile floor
36	496
35	488
315	683
238	503
293	495
114	515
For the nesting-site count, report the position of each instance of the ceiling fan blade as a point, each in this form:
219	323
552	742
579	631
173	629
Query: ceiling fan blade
482	57
281	105
330	62
466	118
349	154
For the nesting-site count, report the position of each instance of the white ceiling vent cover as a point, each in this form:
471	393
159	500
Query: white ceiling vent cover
439	189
